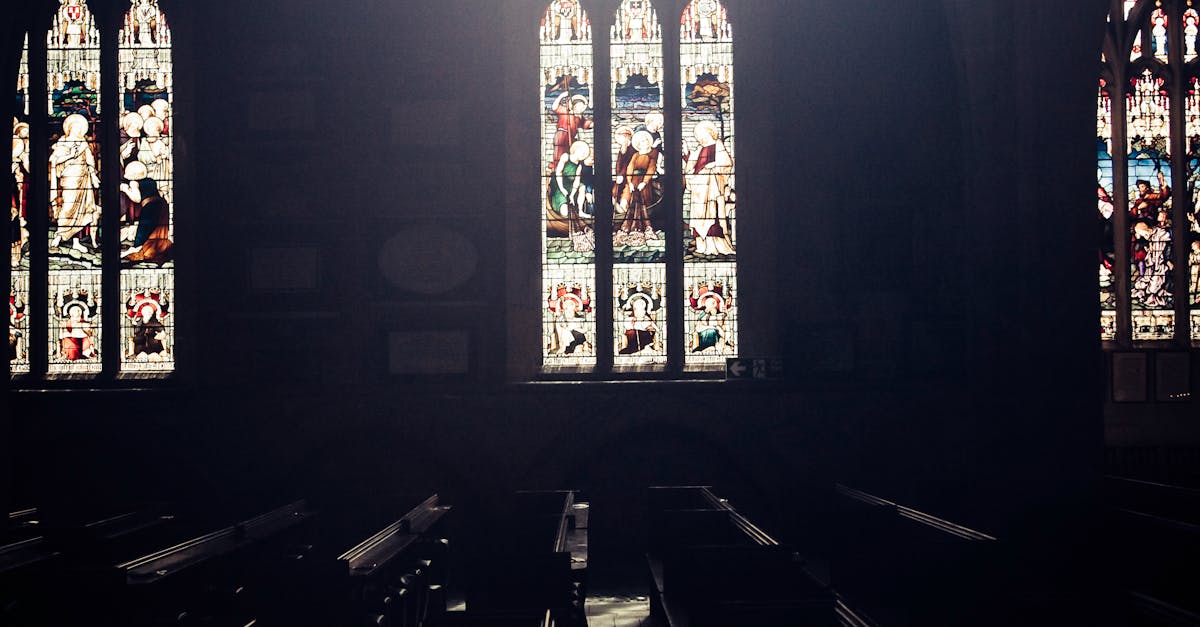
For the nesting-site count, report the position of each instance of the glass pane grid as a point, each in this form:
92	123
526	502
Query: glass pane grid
1105	207
147	323
147	190
569	319
640	217
711	298
75	342
18	323
568	194
1151	228
639	314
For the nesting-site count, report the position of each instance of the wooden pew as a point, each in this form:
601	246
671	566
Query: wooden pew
1155	535
203	580
43	570
533	570
402	568
906	566
710	566
24	567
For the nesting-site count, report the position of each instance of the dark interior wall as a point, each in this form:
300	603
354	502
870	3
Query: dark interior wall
934	306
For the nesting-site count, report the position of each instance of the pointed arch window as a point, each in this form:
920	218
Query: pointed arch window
1148	174
637	141
92	230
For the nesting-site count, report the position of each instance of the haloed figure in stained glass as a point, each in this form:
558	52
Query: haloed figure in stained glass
710	302
77	339
641	304
640	191
148	341
569	307
707	178
572	195
74	185
569	110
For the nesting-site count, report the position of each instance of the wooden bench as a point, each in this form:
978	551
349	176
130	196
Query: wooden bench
44	569
907	566
205	579
533	569
398	575
1154	533
710	566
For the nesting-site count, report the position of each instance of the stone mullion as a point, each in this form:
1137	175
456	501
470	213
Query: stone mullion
37	308
108	17
673	184
602	176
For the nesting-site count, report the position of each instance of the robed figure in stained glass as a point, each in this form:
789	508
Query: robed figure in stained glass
16	323
640	192
148	235
569	307
19	207
77	338
569	109
709	302
707	178
148	340
74	184
571	197
640	305
1152	258
1194	260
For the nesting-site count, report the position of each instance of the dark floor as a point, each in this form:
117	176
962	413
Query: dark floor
619	611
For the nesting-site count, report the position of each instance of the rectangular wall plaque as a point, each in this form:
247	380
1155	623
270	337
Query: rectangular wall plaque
1129	377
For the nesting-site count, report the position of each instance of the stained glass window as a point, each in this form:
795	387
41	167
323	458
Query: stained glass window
73	86
652	190
1104	187
1149	243
640	215
1193	210
18	295
568	185
147	190
141	269
709	191
1149	133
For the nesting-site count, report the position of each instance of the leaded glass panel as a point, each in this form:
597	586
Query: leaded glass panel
640	314
73	85
75	341
1158	35
18	296
711	316
568	184
1191	33
709	189
1107	249
569	321
1193	195
147	188
1149	163
639	214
